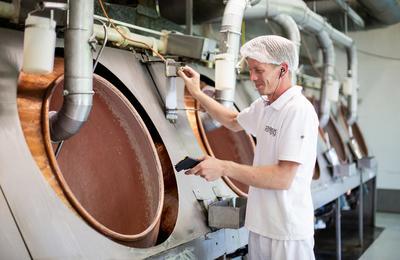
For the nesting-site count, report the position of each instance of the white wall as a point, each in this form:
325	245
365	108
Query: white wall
379	110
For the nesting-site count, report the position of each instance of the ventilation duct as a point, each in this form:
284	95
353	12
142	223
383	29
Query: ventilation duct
385	11
337	6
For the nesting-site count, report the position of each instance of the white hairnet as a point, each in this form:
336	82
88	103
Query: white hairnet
272	49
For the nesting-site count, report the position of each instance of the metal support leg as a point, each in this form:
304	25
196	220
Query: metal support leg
338	231
375	201
361	211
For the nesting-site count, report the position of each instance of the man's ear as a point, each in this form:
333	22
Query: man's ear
284	69
282	73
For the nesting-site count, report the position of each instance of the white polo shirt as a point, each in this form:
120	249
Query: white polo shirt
285	130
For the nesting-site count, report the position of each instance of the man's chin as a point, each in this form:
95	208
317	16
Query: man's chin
262	92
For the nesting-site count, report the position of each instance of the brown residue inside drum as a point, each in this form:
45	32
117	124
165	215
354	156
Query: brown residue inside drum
108	165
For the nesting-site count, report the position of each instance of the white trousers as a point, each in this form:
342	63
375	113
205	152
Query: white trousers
264	248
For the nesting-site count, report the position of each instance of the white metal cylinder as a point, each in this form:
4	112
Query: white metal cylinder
347	86
39	45
225	77
332	90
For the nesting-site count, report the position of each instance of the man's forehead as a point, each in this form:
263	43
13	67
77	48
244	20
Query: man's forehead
252	63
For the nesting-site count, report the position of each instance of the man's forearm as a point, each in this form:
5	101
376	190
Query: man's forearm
275	177
222	114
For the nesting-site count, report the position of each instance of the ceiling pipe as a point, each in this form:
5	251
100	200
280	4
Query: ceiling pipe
385	11
328	55
293	33
351	13
328	6
78	77
307	19
189	17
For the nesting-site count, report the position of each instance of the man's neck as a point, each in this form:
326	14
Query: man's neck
280	90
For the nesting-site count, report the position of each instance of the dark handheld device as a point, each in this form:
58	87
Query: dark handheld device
186	163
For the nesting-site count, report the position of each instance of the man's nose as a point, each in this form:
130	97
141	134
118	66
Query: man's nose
253	77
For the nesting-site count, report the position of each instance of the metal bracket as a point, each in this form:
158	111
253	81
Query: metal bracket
93	42
171	67
171	100
204	201
52	5
219	194
366	162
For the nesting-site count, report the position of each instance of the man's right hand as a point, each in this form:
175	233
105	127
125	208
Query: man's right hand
191	79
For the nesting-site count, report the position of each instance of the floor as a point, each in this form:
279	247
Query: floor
386	246
380	243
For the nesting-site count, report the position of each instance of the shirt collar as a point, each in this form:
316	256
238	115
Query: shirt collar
286	96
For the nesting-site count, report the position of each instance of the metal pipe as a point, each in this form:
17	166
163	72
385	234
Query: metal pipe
338	227
230	41
328	6
225	70
328	54
352	73
132	26
386	11
7	10
361	211
78	84
189	17
52	5
303	16
351	13
293	33
324	6
138	40
313	22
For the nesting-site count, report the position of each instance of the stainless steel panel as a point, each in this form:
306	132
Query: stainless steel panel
191	46
11	244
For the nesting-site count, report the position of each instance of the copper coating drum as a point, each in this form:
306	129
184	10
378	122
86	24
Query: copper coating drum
317	169
222	143
357	134
110	170
336	140
331	128
233	146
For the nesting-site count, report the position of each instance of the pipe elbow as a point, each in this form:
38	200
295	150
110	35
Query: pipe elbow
70	119
323	121
352	118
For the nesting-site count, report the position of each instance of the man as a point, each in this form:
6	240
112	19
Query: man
279	209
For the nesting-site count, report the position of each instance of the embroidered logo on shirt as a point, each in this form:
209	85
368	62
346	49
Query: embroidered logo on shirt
270	130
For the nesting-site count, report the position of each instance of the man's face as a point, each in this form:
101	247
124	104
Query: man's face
265	76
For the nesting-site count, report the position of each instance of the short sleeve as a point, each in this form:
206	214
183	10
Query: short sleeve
248	117
299	131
